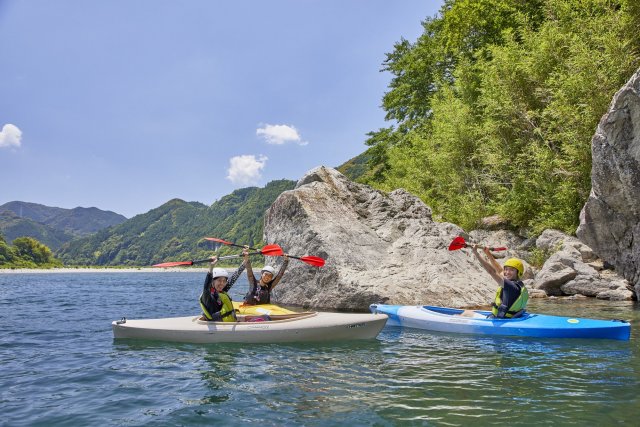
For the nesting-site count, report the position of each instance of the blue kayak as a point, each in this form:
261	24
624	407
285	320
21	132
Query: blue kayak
443	319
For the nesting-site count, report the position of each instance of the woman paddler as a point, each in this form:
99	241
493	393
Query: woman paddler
260	289
215	301
511	296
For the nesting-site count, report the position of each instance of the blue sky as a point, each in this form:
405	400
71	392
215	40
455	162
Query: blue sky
124	105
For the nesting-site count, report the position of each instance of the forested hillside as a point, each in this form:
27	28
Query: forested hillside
175	230
494	107
51	225
12	227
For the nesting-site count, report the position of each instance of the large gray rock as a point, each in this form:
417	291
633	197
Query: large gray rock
610	220
570	270
379	248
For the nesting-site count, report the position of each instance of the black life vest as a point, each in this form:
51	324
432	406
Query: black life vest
259	295
517	308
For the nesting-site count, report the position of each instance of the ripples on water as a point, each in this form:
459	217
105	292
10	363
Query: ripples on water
61	366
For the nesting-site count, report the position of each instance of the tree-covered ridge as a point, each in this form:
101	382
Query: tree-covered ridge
51	225
496	104
26	252
12	227
175	230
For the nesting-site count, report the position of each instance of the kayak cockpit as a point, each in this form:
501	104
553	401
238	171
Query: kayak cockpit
256	318
471	314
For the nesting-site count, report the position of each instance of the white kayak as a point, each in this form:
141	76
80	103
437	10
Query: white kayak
296	327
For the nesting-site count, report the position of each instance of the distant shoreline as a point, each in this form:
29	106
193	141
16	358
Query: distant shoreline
99	270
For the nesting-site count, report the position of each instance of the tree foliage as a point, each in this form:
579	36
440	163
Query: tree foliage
496	104
26	252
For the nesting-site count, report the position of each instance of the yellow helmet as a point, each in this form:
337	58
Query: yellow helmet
515	263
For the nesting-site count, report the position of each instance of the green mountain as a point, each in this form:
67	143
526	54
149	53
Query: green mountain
53	226
175	230
357	168
12	227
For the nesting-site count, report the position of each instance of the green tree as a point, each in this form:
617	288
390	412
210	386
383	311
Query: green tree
30	249
496	104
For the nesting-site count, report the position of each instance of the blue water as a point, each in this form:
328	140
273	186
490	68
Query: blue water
60	366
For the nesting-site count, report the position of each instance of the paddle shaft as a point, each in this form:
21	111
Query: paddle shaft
500	248
225	257
224	242
311	260
459	243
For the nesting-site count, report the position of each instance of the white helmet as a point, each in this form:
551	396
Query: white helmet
269	269
219	272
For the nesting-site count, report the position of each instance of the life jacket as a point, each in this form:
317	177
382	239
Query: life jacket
260	295
227	312
517	308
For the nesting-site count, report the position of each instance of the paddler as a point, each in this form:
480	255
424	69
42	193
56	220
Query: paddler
260	289
511	296
215	301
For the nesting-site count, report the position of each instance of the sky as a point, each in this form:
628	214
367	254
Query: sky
124	105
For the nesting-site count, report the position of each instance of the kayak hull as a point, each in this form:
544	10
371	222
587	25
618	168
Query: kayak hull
303	327
442	319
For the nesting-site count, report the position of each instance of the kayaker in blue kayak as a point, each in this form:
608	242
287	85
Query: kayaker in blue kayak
260	289
215	302
511	296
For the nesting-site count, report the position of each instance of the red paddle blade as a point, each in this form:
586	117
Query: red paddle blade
498	249
213	239
457	243
173	264
312	260
272	250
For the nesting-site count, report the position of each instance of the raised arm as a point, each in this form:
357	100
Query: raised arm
491	265
247	262
276	280
209	278
236	274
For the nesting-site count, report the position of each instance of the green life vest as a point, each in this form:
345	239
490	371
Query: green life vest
227	311
516	307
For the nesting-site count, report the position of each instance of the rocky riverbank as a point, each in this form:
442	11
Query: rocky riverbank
387	248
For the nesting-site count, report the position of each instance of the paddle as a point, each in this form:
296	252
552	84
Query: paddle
459	243
311	260
214	239
269	250
275	250
316	261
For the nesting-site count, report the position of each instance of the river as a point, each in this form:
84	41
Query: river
61	366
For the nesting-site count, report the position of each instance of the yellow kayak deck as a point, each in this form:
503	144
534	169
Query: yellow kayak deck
269	309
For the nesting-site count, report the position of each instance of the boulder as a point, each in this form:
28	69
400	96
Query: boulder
378	248
553	240
610	219
573	269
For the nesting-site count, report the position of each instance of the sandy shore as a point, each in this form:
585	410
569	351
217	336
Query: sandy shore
100	270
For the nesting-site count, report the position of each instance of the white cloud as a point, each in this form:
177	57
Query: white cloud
245	170
280	134
10	136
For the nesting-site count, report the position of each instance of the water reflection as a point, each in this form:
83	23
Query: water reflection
307	381
463	377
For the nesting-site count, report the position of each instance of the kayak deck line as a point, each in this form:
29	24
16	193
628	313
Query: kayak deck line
444	319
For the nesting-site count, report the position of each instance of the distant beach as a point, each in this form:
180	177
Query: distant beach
98	270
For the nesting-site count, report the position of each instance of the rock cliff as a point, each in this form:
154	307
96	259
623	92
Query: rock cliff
379	248
610	220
